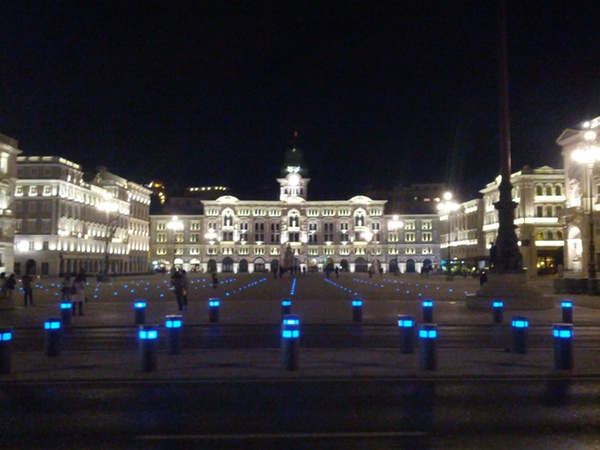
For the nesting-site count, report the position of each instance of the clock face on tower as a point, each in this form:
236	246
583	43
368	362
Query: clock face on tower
293	179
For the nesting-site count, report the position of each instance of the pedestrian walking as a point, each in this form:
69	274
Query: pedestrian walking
27	281
65	289
215	280
483	278
177	282
184	292
3	283
9	286
78	293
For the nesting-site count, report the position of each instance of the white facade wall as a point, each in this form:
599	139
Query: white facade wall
60	226
239	236
539	195
8	181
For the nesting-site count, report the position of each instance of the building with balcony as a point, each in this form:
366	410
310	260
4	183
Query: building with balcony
66	222
8	180
581	155
233	235
539	195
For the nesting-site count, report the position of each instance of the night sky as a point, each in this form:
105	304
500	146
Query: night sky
210	92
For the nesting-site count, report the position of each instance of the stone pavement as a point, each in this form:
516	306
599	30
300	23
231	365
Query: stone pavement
248	364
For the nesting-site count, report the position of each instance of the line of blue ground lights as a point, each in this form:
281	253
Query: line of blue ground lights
341	287
144	286
246	286
416	285
293	289
132	287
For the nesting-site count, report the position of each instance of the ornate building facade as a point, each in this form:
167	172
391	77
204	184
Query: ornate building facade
539	195
233	235
8	180
581	155
65	223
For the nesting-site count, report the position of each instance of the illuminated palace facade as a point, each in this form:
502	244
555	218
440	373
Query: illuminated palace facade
9	152
232	235
66	223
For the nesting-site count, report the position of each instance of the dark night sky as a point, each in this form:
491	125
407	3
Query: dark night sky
210	92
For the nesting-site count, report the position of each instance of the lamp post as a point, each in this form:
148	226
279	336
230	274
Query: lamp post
589	155
394	225
108	206
175	225
211	237
367	236
445	207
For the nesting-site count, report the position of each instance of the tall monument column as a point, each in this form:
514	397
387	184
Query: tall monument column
509	257
507	281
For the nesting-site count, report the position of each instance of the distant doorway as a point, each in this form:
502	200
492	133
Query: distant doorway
360	265
227	264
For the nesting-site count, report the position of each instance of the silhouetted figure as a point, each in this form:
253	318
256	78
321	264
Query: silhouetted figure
483	278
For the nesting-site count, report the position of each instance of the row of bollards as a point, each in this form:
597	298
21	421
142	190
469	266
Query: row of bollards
213	311
6	335
427	333
566	308
290	335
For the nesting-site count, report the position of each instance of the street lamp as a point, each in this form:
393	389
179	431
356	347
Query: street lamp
589	155
175	225
211	236
394	225
108	206
367	236
445	207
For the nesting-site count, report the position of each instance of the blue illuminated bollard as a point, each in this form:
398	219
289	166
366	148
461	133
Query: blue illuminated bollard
520	331
428	346
406	325
357	306
140	313
286	308
6	335
213	310
567	311
427	311
498	311
563	345
65	313
290	342
174	326
147	347
52	337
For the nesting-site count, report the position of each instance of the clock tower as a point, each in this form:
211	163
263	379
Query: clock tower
293	185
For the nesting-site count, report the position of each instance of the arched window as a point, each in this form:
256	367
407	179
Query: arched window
549	190
539	190
359	220
558	190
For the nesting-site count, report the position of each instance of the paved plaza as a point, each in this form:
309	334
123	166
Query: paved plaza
256	299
